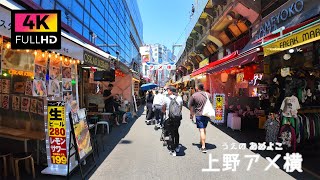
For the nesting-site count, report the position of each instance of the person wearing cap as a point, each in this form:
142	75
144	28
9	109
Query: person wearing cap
173	128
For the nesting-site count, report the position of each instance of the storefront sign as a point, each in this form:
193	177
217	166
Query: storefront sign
257	76
5	22
240	77
82	134
36	29
57	132
219	102
20	73
289	14
204	63
93	60
303	37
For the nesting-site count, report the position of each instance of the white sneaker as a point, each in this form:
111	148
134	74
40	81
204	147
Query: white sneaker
173	153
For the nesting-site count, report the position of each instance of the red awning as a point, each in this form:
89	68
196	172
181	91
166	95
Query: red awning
215	63
224	59
199	71
242	59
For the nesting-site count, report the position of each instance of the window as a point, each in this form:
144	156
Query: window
86	18
47	4
77	10
37	1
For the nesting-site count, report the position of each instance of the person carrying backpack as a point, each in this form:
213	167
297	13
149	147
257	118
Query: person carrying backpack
173	110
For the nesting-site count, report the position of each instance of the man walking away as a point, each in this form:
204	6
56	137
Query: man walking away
173	109
149	100
196	105
158	102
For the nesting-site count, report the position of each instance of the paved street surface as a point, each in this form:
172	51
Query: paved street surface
140	155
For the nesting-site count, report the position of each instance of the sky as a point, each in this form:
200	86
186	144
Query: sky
164	21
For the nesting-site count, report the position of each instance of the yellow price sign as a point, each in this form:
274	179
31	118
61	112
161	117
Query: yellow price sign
59	159
56	121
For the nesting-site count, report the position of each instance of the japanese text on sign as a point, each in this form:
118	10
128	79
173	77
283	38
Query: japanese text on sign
57	132
219	100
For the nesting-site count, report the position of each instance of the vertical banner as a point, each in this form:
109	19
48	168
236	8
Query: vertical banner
219	106
57	132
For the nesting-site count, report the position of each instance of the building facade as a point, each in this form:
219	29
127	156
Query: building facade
113	25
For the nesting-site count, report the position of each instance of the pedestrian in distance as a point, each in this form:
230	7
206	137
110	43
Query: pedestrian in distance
196	105
158	102
149	101
173	109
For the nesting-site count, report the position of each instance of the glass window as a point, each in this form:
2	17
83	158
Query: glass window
76	25
77	10
95	13
86	33
96	28
63	14
36	1
66	4
86	18
87	5
47	4
81	2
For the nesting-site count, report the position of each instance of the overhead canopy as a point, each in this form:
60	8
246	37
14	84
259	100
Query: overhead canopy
241	59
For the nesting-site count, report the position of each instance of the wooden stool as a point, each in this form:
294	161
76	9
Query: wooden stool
16	157
5	167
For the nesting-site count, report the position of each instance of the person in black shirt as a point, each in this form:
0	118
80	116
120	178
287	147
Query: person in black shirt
149	100
109	101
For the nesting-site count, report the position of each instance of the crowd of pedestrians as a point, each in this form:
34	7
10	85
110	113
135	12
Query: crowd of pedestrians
164	110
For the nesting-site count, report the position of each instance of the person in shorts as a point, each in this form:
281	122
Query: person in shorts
196	105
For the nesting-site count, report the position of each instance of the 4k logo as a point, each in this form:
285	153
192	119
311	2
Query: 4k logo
36	29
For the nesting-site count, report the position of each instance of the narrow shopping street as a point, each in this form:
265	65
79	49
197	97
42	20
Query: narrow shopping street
140	155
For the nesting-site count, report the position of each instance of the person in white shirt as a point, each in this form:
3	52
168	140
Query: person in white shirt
158	102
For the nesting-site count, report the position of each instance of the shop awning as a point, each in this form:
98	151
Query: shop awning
215	63
241	59
224	59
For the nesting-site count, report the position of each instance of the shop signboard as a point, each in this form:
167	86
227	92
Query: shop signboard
5	22
94	60
287	15
219	106
82	134
300	38
204	62
57	139
57	132
240	77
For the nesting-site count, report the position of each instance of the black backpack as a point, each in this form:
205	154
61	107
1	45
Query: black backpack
175	113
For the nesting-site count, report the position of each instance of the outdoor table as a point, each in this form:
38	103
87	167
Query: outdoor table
23	135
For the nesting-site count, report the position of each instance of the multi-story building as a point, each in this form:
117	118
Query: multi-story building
113	25
159	54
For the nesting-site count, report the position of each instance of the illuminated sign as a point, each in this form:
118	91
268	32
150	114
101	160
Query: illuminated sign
20	73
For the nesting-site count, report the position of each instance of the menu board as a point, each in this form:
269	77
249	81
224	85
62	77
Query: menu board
81	132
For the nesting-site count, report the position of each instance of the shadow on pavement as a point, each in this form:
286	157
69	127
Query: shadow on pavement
258	136
208	146
105	147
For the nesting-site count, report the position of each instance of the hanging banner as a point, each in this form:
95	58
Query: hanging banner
303	37
219	103
57	132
